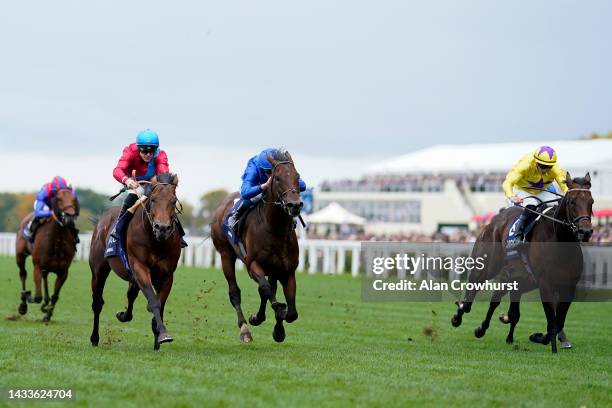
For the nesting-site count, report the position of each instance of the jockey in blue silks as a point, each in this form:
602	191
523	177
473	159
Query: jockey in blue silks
42	206
255	181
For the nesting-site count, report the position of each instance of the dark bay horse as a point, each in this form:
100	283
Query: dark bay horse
52	251
553	255
271	248
153	246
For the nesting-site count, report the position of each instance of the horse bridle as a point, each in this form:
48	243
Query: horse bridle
280	199
55	217
146	210
571	224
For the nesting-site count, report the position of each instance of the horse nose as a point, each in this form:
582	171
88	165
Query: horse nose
162	229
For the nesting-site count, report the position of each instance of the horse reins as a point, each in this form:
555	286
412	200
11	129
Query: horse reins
566	223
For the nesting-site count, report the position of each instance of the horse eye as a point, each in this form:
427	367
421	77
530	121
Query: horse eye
276	178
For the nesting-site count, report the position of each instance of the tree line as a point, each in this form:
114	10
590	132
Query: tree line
195	218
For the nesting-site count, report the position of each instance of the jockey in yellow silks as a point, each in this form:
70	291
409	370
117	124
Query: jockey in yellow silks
530	177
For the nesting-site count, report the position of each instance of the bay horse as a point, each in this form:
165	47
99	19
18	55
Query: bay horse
271	247
553	255
153	247
53	249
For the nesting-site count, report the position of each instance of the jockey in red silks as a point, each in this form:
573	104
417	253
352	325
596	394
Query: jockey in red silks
42	206
147	160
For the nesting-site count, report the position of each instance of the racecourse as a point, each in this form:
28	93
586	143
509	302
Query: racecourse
340	352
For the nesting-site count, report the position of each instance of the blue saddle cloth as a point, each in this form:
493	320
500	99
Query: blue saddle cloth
115	248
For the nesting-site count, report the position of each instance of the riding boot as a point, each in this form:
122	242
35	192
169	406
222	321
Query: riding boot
517	238
232	220
30	229
181	231
129	201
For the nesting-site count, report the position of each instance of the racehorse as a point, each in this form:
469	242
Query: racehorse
153	248
271	247
555	268
52	251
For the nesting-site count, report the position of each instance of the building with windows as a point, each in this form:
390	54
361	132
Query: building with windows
446	186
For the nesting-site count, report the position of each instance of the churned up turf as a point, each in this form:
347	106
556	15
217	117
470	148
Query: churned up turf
340	352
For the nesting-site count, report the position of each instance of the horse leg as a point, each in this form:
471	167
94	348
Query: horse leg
260	317
59	282
514	314
23	274
481	330
142	274
132	294
163	291
228	263
98	279
463	307
290	314
43	307
562	309
549	311
37	275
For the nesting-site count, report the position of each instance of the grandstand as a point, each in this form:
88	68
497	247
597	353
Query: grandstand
447	186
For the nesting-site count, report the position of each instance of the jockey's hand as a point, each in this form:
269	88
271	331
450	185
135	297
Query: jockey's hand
516	199
266	185
131	184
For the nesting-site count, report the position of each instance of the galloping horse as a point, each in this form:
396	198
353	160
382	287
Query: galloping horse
153	247
52	251
271	248
556	268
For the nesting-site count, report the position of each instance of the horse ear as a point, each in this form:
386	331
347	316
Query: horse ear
568	179
154	180
175	179
587	178
289	156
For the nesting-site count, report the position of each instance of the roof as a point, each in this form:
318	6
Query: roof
497	157
334	213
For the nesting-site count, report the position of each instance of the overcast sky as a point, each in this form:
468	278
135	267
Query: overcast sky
339	83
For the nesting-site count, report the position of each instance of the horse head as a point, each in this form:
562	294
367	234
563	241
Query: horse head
578	203
65	206
285	187
161	205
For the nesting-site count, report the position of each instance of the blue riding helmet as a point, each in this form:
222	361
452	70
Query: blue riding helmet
262	159
147	137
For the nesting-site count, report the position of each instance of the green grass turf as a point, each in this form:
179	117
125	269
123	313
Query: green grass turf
341	351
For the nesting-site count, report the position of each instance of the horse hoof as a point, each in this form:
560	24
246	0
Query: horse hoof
509	340
479	332
504	318
123	317
164	338
254	320
278	334
46	319
44	307
566	345
246	338
23	308
539	338
35	299
456	321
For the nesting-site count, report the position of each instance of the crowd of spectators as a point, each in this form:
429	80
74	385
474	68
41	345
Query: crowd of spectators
416	183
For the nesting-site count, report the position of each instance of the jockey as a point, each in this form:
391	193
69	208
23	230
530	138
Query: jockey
255	181
147	160
530	177
42	207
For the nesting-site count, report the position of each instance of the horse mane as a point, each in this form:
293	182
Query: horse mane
281	154
165	178
581	180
